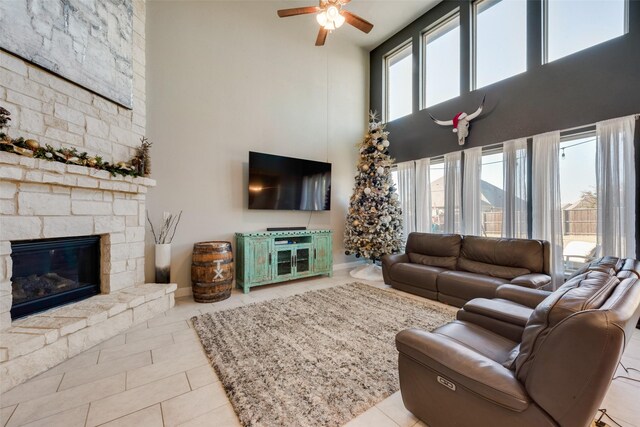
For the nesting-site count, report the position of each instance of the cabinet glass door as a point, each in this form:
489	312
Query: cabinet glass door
284	266
302	260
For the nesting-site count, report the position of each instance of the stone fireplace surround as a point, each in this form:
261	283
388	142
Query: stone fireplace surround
43	199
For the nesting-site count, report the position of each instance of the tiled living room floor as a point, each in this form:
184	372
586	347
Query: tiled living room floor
156	374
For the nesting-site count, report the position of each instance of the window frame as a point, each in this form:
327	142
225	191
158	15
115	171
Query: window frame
545	32
569	136
489	150
408	45
438	26
473	23
436	161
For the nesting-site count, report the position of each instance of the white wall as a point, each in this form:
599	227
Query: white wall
228	77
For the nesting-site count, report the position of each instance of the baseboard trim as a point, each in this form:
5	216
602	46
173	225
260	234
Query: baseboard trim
184	292
347	265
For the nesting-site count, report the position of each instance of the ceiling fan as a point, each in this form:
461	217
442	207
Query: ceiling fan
330	15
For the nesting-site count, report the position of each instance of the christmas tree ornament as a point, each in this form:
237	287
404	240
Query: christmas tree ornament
374	225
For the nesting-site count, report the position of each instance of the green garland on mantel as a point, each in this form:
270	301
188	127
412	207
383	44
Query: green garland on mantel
139	165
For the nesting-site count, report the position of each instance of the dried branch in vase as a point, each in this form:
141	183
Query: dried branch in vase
167	229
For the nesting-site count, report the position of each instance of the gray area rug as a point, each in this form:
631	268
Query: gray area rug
315	359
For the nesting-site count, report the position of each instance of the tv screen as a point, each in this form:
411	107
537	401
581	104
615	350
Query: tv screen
286	183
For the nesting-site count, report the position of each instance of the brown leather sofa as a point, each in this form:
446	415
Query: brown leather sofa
454	269
476	372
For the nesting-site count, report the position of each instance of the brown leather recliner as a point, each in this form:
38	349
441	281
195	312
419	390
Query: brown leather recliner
508	313
465	375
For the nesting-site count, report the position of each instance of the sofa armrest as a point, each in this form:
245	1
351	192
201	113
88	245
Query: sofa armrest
464	367
388	261
532	280
521	295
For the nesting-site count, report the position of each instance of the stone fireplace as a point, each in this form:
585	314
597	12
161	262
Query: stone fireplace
42	199
48	273
43	203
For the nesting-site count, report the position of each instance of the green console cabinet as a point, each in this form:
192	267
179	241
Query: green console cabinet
277	256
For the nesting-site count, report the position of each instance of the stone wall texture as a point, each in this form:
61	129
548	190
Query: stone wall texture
57	112
42	199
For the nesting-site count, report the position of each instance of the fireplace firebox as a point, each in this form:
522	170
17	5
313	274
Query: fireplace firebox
53	272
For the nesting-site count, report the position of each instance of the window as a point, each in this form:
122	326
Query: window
492	192
436	173
398	83
394	176
441	77
578	199
500	40
573	25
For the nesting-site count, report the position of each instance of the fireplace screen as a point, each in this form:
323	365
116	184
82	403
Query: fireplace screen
52	272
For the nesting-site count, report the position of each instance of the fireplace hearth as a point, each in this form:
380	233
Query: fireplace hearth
53	272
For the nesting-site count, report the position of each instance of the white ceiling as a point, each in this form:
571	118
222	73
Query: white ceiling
387	17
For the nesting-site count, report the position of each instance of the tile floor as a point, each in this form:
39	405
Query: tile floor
156	374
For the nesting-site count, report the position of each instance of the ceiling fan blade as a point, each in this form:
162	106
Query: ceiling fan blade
322	36
283	13
356	21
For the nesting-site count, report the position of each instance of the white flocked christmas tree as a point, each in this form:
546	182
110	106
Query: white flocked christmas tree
374	220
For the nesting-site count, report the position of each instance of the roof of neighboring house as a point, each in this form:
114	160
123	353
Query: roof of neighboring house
491	195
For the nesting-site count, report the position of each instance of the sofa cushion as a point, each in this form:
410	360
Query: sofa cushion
418	275
520	253
585	292
483	341
440	245
533	280
491	269
448	262
466	286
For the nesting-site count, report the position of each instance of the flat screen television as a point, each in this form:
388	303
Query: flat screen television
287	183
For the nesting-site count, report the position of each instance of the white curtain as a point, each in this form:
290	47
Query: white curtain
452	190
514	214
471	192
616	187
406	192
423	196
547	212
314	191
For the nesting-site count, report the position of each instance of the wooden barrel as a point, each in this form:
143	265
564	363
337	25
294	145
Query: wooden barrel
212	271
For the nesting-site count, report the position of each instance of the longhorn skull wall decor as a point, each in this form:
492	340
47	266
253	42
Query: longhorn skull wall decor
460	122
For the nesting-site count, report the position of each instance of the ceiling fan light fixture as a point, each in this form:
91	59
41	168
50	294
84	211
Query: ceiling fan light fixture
329	15
332	13
322	18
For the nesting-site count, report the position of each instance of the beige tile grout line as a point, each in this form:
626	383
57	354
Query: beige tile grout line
12	412
86	417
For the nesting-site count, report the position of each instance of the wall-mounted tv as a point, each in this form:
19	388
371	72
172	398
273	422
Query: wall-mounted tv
286	183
